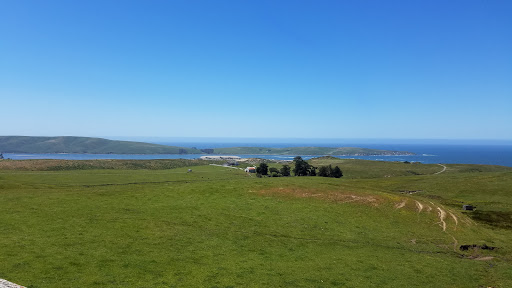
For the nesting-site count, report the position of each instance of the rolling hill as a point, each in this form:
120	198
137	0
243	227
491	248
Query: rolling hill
88	145
117	223
69	144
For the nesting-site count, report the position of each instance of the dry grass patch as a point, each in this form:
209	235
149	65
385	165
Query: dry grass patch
322	194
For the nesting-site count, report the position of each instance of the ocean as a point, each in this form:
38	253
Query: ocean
425	153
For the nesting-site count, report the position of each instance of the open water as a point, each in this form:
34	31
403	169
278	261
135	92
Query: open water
426	153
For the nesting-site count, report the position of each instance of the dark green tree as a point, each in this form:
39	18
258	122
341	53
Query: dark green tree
273	170
262	169
336	172
312	171
301	167
323	171
285	171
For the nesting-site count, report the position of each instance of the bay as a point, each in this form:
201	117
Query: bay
428	154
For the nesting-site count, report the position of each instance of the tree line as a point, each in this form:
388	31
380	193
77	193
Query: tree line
301	168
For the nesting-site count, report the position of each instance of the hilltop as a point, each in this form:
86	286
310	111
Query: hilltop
71	144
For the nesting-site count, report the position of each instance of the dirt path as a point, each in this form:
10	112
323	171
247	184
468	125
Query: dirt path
444	169
442	216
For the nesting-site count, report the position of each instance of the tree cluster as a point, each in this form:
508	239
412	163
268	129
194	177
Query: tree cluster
328	171
301	168
264	170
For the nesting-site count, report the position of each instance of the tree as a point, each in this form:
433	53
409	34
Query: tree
262	169
301	167
285	171
336	173
323	171
273	170
312	171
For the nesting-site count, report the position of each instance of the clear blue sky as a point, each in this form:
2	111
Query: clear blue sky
308	69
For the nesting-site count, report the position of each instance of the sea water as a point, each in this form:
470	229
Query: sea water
425	153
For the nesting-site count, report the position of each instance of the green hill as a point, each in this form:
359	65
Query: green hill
339	151
109	224
69	144
88	145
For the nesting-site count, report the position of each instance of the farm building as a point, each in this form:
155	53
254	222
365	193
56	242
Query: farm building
250	169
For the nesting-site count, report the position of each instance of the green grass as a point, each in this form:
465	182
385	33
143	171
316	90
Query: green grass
218	227
362	169
62	165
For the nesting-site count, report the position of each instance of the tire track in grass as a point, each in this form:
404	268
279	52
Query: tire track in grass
419	205
401	204
442	215
454	219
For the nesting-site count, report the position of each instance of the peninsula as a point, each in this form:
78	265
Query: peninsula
89	145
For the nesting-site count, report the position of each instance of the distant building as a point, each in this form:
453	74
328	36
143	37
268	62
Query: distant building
250	169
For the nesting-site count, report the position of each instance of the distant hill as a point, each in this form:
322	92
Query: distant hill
69	144
340	151
88	145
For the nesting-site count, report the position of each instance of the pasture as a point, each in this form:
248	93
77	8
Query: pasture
220	227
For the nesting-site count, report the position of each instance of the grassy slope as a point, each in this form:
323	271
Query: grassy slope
218	227
28	144
306	151
59	165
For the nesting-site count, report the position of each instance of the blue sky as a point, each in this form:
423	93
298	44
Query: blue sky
306	69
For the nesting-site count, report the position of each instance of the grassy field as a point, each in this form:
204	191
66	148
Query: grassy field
219	227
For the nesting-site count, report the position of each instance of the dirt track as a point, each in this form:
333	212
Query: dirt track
444	169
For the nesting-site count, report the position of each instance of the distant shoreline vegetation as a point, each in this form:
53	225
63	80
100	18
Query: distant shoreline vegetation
89	145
